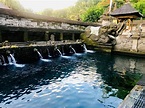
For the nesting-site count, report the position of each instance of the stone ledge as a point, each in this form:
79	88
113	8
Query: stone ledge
132	97
135	37
137	54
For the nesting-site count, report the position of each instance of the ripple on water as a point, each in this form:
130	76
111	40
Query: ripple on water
62	83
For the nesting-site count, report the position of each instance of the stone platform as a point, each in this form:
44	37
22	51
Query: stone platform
136	98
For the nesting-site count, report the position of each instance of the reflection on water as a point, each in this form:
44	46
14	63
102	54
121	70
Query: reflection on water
91	80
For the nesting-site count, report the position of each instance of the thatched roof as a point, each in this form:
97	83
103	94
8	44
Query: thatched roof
15	13
126	10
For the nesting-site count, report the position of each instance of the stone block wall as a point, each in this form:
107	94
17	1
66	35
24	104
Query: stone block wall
123	43
127	44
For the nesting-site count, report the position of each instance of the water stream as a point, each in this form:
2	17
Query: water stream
86	50
59	52
12	61
72	49
41	57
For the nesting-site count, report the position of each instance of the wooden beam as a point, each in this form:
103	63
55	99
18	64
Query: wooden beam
126	17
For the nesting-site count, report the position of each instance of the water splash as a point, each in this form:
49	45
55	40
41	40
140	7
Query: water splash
79	54
46	60
19	65
68	57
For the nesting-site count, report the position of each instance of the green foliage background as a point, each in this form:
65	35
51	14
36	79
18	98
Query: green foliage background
84	10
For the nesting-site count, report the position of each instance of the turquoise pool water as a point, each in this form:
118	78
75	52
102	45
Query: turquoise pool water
87	80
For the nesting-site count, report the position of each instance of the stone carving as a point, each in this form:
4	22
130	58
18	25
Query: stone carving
105	34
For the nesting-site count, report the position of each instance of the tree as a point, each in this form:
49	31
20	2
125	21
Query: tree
47	12
92	14
14	4
140	6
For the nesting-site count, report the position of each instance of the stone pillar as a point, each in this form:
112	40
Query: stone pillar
61	36
25	36
135	37
46	35
131	24
135	43
0	36
73	36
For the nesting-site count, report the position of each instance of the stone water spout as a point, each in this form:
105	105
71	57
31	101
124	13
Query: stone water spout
40	56
2	60
63	53
48	52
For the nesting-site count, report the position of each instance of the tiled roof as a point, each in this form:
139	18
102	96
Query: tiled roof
126	9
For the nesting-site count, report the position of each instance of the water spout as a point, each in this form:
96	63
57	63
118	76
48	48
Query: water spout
9	60
3	60
39	54
59	52
72	49
86	50
41	58
13	59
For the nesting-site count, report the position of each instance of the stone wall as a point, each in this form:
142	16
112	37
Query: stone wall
123	43
141	45
131	42
9	21
28	54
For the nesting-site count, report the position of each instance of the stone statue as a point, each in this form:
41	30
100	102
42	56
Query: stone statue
106	34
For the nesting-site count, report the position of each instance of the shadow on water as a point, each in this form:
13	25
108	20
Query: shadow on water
116	72
120	72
